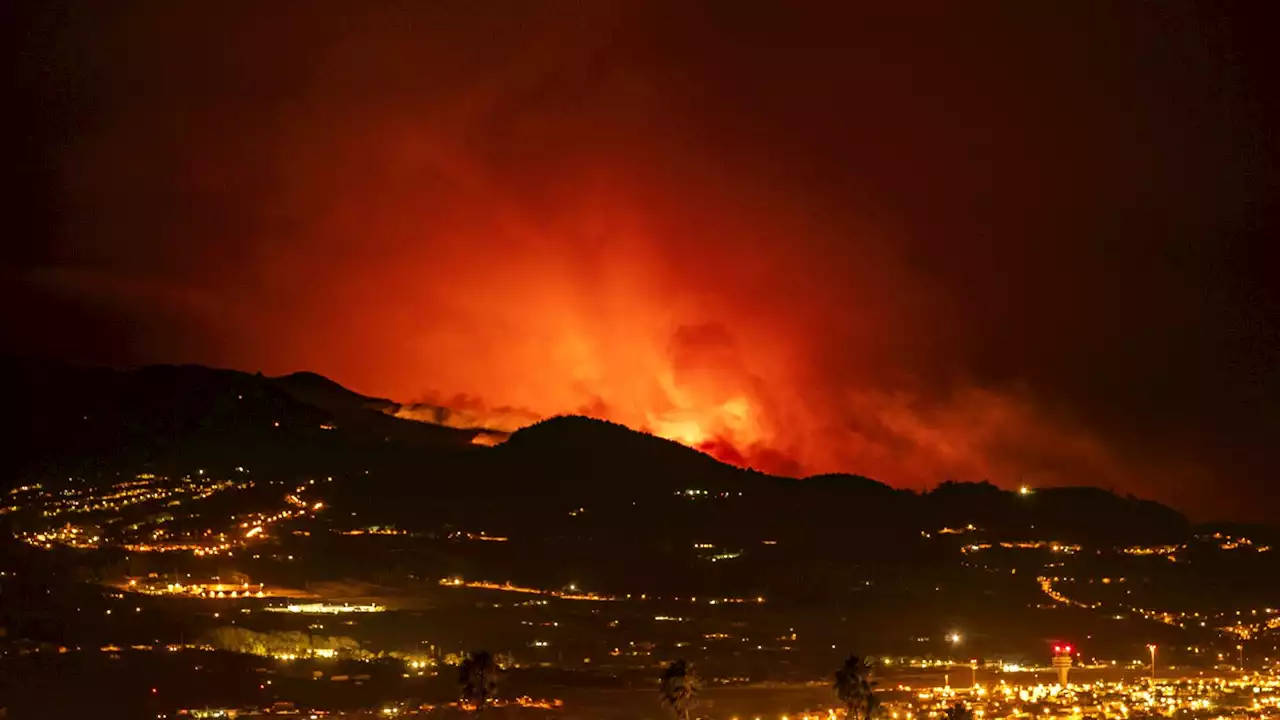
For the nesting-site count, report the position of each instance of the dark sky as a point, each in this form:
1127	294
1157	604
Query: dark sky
1030	242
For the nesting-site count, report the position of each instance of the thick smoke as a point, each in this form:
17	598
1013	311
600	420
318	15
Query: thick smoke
912	248
703	393
467	412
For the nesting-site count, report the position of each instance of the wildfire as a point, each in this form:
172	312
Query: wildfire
687	432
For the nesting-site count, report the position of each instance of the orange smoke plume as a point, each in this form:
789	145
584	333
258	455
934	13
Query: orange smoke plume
593	212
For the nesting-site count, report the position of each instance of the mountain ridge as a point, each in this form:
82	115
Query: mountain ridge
573	501
76	411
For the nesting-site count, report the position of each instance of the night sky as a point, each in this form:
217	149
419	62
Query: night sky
1029	242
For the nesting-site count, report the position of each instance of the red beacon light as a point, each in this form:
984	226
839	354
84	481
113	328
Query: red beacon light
1062	662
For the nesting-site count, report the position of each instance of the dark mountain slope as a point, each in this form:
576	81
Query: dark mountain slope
320	391
584	454
76	419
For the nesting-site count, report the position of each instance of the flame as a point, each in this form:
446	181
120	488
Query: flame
688	432
474	239
731	424
489	439
592	219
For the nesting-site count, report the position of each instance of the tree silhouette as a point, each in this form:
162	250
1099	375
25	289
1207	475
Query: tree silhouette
679	690
856	689
478	676
873	705
957	712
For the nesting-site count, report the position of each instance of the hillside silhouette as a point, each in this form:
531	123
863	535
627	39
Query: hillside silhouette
586	500
73	419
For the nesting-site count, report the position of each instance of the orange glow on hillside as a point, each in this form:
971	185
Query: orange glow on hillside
537	217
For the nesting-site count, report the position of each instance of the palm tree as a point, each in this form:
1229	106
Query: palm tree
479	675
679	690
957	712
856	689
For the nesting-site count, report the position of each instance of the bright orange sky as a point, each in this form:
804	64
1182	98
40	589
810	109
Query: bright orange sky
907	245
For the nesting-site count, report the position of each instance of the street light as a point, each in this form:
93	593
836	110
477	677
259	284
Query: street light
1152	648
953	637
1240	647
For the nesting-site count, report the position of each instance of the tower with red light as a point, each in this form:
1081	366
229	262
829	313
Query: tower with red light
1062	662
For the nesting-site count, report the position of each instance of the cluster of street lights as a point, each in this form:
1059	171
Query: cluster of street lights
955	638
